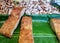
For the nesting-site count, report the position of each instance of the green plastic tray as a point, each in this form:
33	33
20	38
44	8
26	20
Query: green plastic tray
42	31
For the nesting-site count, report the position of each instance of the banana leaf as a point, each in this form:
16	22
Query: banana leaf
42	31
3	17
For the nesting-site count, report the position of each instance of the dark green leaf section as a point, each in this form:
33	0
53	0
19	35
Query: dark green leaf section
3	17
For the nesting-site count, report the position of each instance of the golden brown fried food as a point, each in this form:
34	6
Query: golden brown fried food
26	30
11	23
55	23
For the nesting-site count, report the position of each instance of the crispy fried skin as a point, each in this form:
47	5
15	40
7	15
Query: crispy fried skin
55	23
8	27
26	30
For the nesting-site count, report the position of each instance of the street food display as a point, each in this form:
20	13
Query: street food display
22	15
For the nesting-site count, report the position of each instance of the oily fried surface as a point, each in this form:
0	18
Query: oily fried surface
10	23
16	11
26	30
56	26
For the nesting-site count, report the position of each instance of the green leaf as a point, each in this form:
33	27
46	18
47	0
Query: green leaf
42	31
